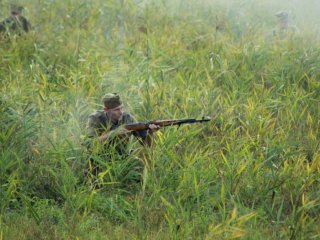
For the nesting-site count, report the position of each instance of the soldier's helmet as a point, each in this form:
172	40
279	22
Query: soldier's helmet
15	9
282	15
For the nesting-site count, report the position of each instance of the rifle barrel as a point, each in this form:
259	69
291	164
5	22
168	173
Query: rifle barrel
163	123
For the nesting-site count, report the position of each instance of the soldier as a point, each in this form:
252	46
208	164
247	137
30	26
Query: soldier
106	135
15	24
284	28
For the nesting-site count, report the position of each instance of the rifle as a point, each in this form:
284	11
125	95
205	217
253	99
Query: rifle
163	123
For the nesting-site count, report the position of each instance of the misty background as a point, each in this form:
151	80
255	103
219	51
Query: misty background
246	15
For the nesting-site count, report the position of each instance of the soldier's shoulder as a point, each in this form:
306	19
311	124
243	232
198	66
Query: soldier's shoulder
97	114
96	118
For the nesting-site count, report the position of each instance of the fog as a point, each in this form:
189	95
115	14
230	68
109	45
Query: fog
256	14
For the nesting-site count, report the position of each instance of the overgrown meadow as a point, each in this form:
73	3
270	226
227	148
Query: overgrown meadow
252	172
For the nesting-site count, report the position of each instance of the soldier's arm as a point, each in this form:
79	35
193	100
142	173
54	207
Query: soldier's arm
95	131
2	27
119	132
150	134
92	127
26	25
144	136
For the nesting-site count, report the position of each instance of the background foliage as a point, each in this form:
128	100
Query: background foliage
251	173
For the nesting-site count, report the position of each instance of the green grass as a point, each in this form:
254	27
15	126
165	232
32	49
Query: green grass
250	173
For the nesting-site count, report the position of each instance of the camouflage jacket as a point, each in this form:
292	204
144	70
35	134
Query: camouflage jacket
99	122
15	25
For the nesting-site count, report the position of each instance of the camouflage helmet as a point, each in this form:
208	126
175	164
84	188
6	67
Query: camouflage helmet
111	100
282	15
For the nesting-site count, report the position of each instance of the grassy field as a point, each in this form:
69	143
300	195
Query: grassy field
250	173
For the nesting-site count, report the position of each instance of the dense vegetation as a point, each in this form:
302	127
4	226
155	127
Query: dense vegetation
251	173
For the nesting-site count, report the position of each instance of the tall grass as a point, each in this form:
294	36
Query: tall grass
251	173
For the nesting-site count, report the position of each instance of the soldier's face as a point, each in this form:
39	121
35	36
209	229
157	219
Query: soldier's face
115	114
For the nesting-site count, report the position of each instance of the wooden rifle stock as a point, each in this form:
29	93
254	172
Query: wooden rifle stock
163	123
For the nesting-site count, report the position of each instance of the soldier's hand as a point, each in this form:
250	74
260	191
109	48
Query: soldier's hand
153	127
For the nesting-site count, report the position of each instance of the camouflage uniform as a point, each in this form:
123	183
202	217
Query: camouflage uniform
284	29
99	122
113	150
15	24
